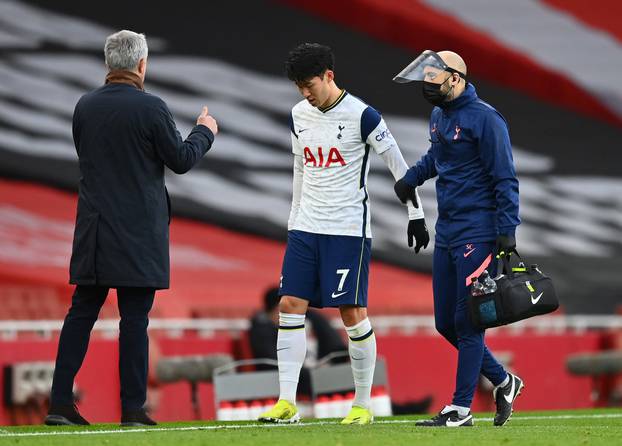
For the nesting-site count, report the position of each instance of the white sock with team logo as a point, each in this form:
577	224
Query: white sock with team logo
291	349
362	349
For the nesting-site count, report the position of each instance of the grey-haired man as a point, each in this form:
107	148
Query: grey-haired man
124	138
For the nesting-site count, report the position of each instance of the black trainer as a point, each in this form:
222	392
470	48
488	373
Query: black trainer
136	418
447	419
504	398
64	415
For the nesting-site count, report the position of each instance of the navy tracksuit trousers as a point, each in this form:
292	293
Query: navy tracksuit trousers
452	272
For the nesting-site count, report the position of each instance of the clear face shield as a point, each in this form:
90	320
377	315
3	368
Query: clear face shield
426	67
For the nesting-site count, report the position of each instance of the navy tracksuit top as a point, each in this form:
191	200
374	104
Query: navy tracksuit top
477	188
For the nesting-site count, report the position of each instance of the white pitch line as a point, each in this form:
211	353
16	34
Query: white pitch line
526	417
161	429
247	426
561	417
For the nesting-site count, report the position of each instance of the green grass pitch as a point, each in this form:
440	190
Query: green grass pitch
579	427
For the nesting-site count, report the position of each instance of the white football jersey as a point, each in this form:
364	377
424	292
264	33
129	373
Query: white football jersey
334	144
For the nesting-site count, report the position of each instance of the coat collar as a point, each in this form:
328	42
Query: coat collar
468	95
124	77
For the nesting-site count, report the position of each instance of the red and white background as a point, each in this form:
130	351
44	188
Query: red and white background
551	67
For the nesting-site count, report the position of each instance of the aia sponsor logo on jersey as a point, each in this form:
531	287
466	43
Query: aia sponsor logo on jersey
319	158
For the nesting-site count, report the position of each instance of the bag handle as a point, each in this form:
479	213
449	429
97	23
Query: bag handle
504	262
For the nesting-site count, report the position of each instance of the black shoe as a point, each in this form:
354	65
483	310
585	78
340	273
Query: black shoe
447	419
136	418
65	415
504	398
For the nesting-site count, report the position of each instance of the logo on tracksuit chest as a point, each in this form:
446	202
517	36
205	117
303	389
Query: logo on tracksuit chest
435	129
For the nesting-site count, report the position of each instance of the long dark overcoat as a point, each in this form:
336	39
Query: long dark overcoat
124	138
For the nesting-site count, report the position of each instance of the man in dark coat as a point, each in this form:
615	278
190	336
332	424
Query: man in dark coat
124	138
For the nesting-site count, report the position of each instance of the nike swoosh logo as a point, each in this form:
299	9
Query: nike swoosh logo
302	130
535	301
335	296
284	348
356	359
449	423
509	398
466	254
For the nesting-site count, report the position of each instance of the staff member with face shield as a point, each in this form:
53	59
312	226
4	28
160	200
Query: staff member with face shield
477	193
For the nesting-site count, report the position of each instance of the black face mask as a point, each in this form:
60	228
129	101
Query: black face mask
432	92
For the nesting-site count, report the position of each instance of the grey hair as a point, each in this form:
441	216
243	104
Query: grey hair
124	49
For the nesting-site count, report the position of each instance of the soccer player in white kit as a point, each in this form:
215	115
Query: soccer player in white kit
326	262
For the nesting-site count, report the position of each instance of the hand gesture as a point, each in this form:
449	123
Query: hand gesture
208	121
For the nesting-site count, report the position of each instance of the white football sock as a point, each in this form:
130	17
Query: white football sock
291	349
505	381
362	349
462	411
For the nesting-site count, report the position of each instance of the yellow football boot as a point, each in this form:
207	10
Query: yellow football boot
282	412
358	415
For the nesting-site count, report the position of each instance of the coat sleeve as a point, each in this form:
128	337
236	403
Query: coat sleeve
75	128
496	155
179	155
422	171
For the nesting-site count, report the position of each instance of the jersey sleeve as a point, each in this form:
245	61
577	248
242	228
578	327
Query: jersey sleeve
296	191
296	147
374	131
413	212
395	162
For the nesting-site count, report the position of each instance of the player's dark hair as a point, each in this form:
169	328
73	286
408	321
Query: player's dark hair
271	299
308	60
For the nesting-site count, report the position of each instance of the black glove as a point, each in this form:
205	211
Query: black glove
419	231
506	244
405	192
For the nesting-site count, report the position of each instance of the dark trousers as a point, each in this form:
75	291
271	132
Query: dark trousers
134	306
451	272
